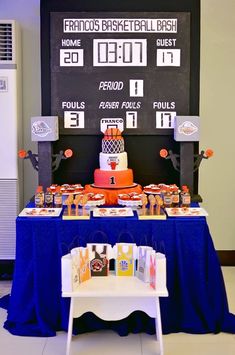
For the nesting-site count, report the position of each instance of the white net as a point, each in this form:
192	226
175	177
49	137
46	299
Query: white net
112	146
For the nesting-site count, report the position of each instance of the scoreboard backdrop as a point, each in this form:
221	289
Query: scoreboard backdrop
133	66
135	60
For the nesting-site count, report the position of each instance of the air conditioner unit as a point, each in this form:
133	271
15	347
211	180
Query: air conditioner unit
10	135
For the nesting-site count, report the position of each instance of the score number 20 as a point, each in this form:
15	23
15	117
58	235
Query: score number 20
71	58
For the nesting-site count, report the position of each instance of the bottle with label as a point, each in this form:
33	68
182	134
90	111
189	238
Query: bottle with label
39	197
58	199
185	197
183	188
167	198
48	198
175	197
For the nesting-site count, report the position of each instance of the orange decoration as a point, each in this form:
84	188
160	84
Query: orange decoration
163	153
22	153
112	133
111	195
68	153
209	153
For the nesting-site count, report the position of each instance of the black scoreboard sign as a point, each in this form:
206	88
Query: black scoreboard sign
134	66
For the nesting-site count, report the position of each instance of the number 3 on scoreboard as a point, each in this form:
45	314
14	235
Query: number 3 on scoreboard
73	119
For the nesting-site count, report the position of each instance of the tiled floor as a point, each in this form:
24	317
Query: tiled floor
109	343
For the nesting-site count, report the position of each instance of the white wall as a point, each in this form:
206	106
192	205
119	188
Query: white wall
217	98
27	13
217	175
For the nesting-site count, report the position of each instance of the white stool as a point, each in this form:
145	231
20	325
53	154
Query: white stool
113	298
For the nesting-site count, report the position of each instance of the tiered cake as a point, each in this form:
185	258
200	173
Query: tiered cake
113	172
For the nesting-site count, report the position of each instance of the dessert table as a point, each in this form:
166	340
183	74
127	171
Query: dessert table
197	301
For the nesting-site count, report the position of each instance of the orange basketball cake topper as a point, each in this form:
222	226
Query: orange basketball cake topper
112	133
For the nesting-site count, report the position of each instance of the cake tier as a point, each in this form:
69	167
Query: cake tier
113	179
113	161
112	146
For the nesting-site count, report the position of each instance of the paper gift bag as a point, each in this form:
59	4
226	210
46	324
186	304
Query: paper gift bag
152	269
75	264
125	254
84	265
66	273
143	263
100	254
160	271
157	270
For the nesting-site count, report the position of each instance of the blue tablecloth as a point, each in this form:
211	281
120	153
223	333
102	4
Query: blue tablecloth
197	301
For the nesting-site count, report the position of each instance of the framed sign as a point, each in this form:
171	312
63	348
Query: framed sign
129	65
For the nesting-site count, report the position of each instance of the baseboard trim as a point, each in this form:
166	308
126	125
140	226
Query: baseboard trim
226	257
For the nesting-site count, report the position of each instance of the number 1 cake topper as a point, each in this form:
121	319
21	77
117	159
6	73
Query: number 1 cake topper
106	123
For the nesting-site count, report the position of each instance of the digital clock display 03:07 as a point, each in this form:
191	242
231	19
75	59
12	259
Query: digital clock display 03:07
119	52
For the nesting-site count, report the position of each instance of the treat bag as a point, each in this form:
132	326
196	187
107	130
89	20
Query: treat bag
143	268
84	265
152	269
75	264
100	254
125	259
157	271
66	273
160	271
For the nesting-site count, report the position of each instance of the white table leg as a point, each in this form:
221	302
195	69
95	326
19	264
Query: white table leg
158	325
70	327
